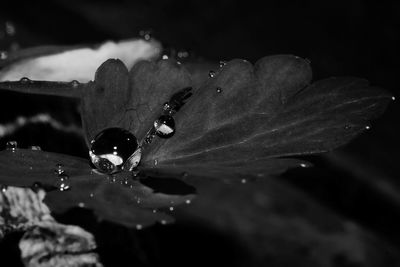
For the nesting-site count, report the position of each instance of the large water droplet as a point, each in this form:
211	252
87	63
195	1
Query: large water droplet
12	145
165	126
112	148
211	74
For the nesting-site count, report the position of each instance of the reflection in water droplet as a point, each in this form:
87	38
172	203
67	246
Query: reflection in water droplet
74	83
222	63
35	148
219	90
12	145
164	126
211	74
112	148
24	80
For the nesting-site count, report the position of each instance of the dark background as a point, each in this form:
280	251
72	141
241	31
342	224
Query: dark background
349	38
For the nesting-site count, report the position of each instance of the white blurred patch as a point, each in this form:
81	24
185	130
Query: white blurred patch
80	64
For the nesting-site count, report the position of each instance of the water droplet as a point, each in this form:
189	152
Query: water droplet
139	226
367	127
303	165
112	148
347	127
185	174
393	98
154	211
219	90
165	126
35	148
3	55
10	28
12	145
91	195
36	186
146	34
163	222
24	80
63	176
243	181
171	208
75	83
188	201
59	169
183	54
155	162
164	57
222	63
63	184
81	205
211	74
3	188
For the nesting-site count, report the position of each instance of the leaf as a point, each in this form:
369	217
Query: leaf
118	199
265	112
73	63
130	100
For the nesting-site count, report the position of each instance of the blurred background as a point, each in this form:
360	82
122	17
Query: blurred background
349	38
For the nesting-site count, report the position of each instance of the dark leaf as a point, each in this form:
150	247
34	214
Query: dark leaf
266	112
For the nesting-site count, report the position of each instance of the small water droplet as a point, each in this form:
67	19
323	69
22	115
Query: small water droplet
165	126
164	57
3	55
3	188
222	63
63	177
171	208
81	205
138	200
63	185
367	127
36	186
91	195
139	226
243	181
347	127
75	83
393	98
154	211
185	174
59	169
188	201
35	148
219	90
163	222
146	34
155	162
24	80
183	54
12	145
303	165
211	74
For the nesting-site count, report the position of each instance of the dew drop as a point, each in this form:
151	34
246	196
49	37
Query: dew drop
75	84
12	145
63	184
3	188
219	90
3	55
24	80
164	126
35	148
211	74
113	150
222	63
